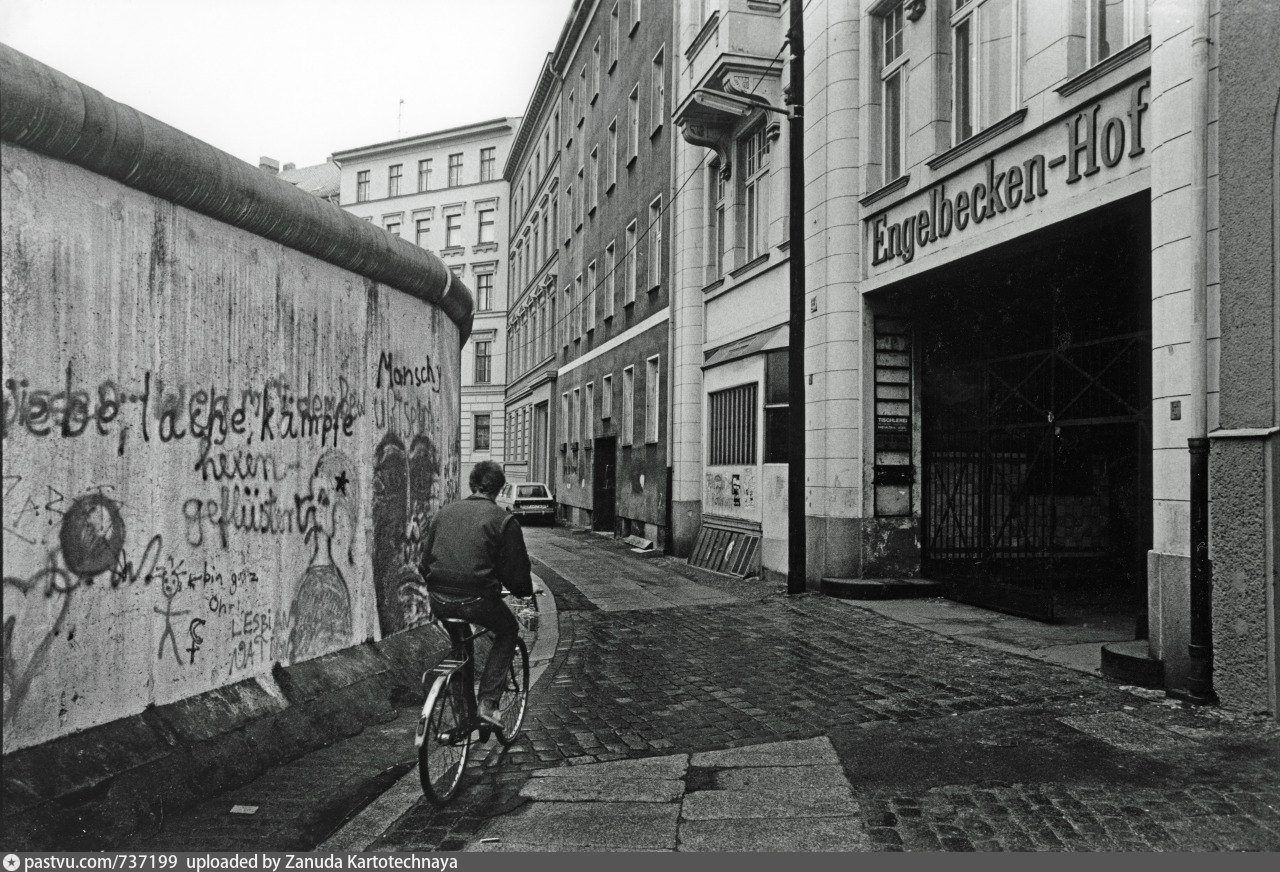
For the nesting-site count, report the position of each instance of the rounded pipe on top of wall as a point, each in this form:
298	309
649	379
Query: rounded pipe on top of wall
51	113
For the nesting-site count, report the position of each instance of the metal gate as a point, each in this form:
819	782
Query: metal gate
1037	472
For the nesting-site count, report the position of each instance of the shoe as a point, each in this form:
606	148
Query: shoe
489	720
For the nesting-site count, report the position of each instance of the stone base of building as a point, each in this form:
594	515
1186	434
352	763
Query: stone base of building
686	519
1168	608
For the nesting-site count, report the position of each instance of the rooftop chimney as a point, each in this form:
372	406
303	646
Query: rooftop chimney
289	166
269	164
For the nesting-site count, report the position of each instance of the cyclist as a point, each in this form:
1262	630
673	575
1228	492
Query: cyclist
473	550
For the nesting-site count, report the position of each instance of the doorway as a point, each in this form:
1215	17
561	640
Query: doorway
1036	404
604	484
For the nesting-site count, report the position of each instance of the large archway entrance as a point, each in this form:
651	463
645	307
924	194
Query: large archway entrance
1035	369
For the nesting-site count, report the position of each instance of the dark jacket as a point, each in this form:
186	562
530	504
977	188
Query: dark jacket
472	548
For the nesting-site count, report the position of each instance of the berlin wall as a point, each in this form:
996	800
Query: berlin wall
229	408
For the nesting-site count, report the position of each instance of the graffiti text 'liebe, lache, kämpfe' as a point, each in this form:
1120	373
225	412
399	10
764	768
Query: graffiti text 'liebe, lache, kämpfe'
271	411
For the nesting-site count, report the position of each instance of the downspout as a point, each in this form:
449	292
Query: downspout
1199	682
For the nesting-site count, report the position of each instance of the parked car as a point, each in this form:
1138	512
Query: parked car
528	499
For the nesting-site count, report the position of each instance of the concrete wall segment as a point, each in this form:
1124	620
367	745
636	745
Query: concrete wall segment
149	564
46	111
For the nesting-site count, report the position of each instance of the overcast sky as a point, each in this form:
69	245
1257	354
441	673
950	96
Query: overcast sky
296	79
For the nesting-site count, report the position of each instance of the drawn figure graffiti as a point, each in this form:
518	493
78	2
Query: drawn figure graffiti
169	589
320	617
407	487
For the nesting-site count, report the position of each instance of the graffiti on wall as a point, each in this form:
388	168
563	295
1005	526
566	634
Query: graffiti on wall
730	489
408	487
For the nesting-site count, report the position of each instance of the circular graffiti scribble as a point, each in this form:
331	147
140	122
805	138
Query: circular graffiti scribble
92	535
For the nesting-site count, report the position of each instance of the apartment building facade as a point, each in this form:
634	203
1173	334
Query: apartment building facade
608	82
1008	339
533	172
444	191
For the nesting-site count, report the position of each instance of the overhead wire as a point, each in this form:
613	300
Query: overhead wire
575	311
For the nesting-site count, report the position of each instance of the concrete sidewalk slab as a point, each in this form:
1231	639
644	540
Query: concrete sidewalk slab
610	788
626	825
670	766
779	777
803	752
782	802
789	835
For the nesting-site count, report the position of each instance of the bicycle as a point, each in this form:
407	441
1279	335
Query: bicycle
449	721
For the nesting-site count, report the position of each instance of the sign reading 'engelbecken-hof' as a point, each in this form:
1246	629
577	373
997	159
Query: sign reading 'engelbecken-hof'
1094	140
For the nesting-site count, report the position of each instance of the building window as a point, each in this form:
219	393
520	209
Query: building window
484	292
424	175
421	231
635	15
593	180
755	168
613	37
564	418
1115	24
651	395
486	225
579	307
453	231
606	397
393	225
629	275
892	73
731	426
595	71
659	91
484	361
575	415
655	243
455	170
984	59
633	124
568	317
716	231
628	404
362	186
610	283
777	390
589	412
611	173
481	441
393	180
594	293
487	163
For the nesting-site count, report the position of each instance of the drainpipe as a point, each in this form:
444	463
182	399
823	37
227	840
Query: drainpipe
797	562
1199	686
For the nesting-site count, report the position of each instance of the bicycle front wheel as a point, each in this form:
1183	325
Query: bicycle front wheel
443	742
515	695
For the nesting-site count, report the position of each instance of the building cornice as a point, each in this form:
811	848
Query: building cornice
479	130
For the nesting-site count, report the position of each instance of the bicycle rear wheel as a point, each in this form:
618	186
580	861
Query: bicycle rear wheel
443	745
515	695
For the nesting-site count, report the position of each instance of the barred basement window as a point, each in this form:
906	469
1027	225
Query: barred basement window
732	426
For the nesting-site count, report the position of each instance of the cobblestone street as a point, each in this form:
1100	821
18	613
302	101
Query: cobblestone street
945	745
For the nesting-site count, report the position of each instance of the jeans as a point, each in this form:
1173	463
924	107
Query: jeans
491	613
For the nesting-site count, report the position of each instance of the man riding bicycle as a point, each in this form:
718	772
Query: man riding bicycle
473	550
